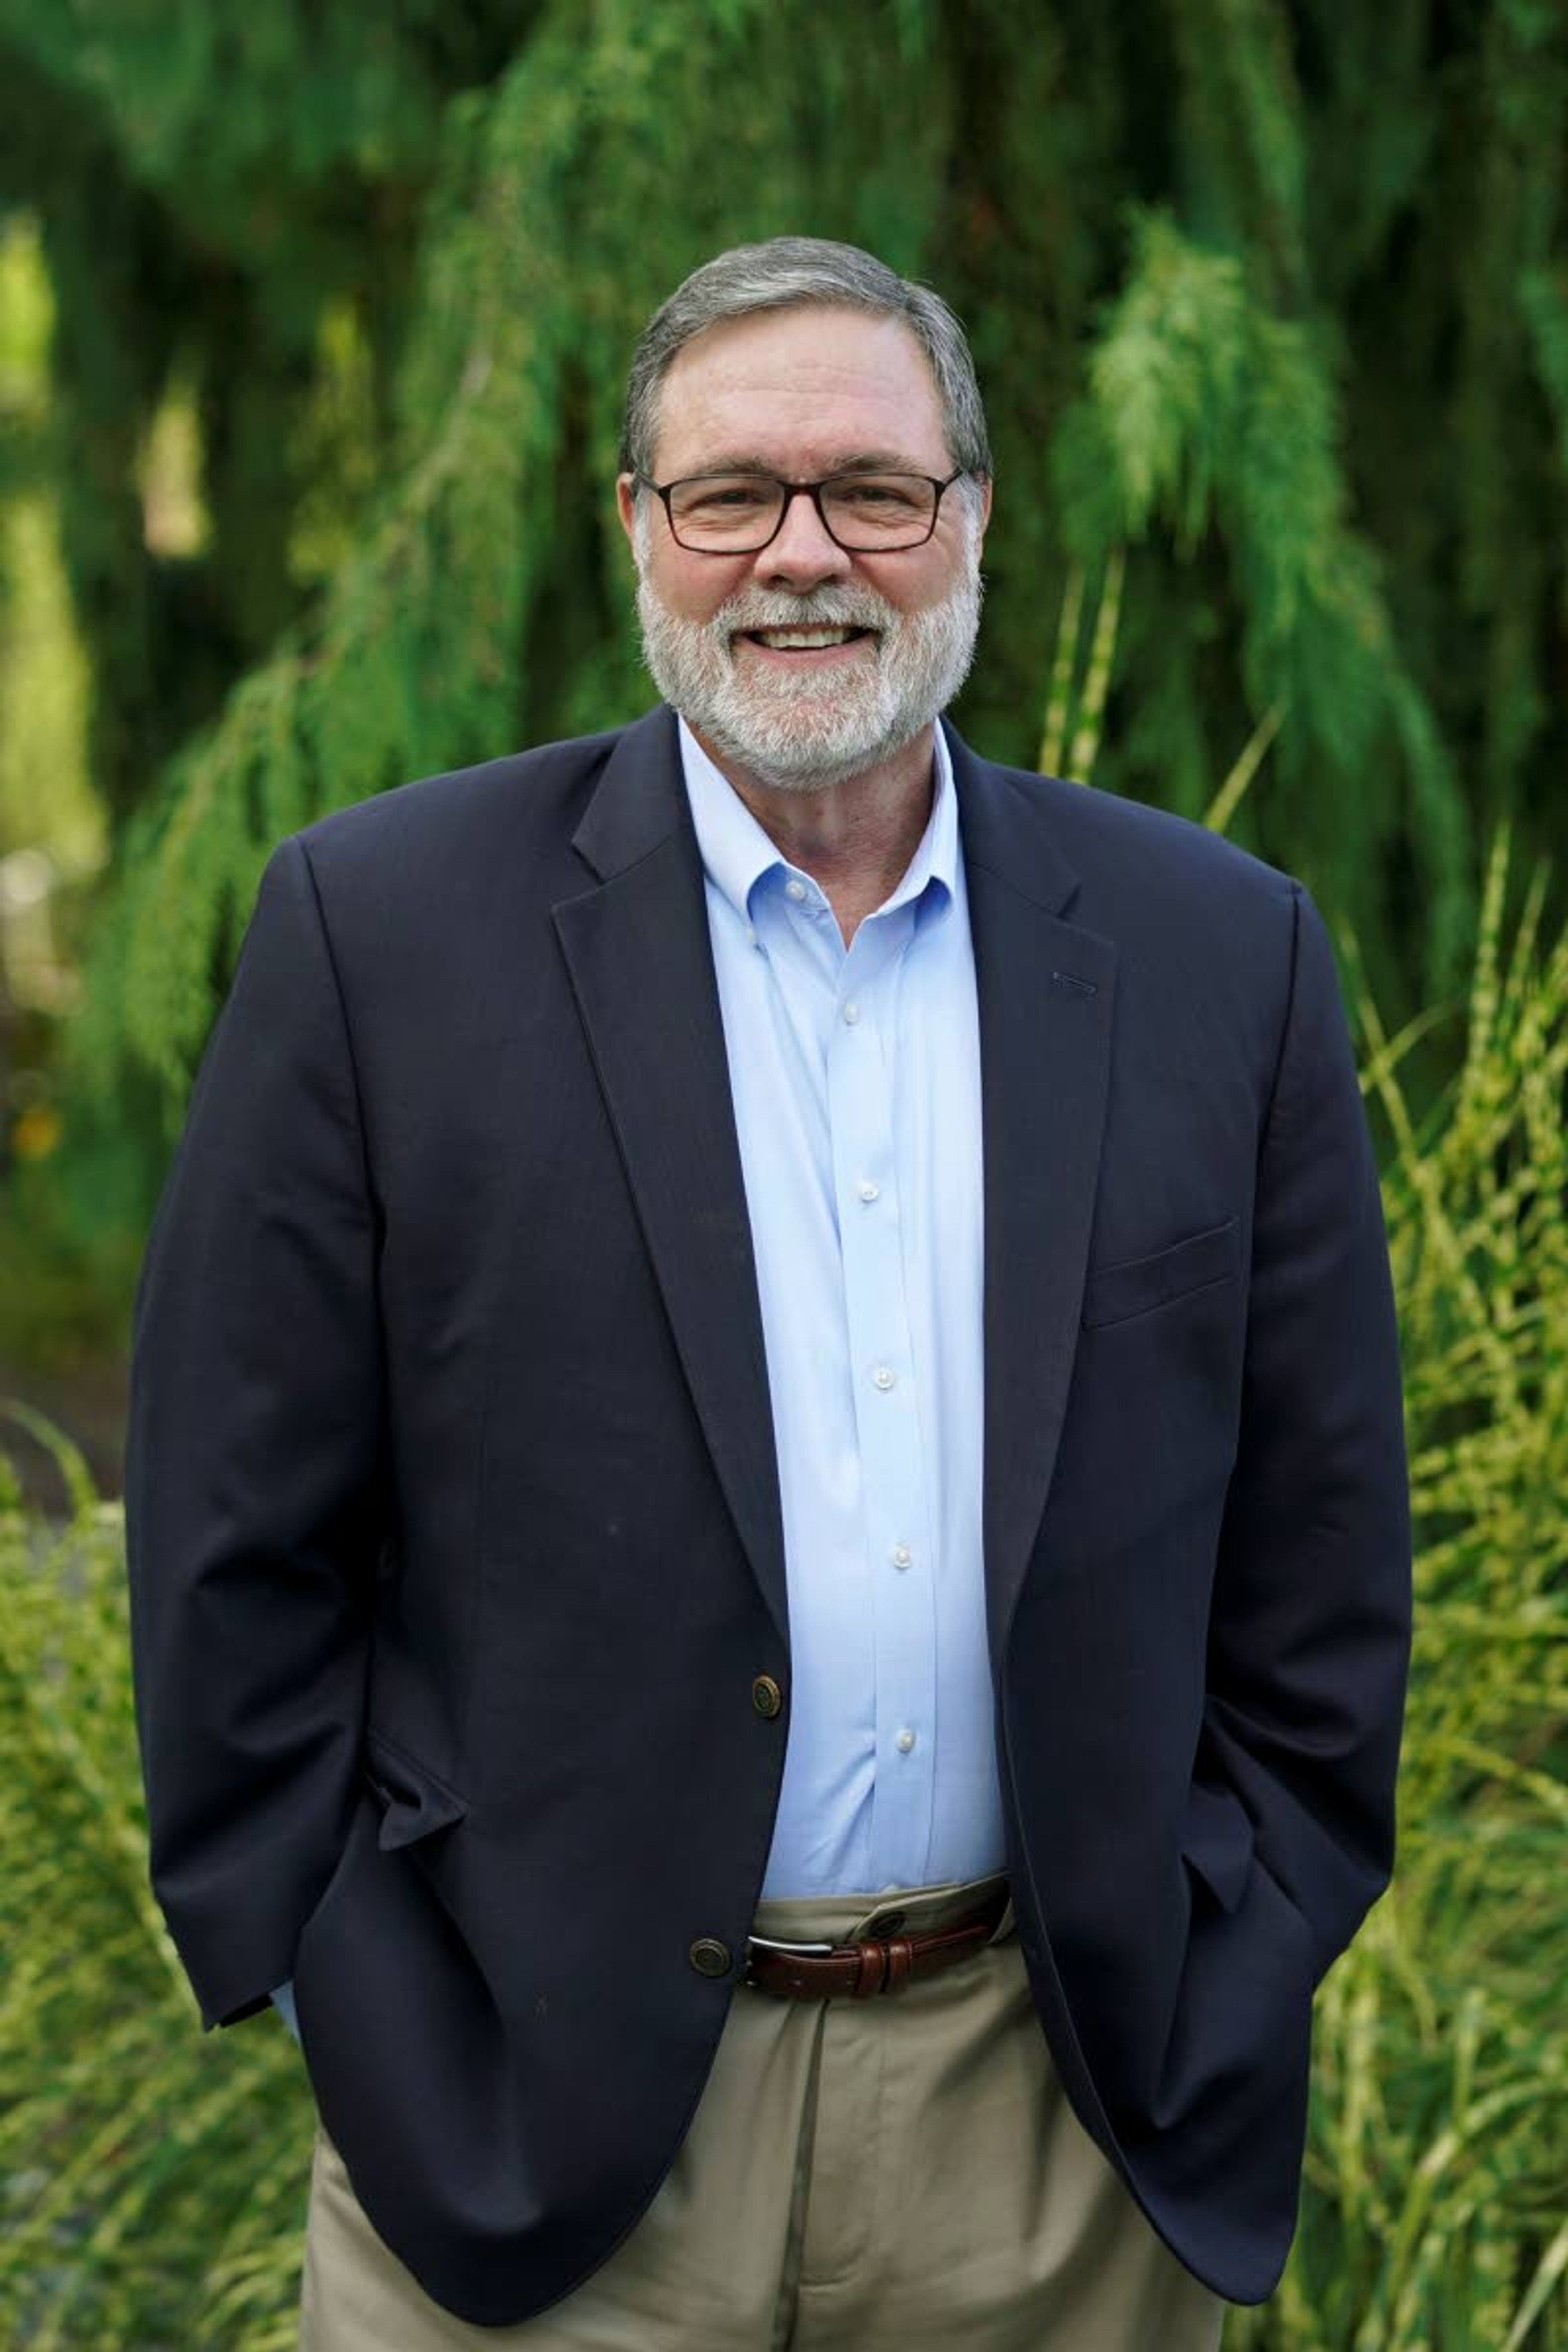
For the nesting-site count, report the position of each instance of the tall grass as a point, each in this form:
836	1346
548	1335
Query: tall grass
1435	2217
152	2179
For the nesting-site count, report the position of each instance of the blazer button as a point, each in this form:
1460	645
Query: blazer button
766	1696
710	1958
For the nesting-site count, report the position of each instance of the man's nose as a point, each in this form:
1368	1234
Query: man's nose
804	551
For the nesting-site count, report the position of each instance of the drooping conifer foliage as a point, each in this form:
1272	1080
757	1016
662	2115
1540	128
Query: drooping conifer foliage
1267	301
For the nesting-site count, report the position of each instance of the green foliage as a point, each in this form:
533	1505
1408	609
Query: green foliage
1433	2211
41	681
1206	412
1268	297
315	86
435	633
210	185
154	2178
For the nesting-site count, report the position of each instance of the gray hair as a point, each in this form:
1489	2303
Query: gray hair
790	273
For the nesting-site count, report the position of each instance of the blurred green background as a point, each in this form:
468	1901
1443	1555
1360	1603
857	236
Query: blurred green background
314	316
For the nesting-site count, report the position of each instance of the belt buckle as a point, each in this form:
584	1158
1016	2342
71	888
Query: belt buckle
761	1944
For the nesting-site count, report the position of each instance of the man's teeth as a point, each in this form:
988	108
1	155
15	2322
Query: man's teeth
788	640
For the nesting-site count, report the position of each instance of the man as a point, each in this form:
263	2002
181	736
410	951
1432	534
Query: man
767	1514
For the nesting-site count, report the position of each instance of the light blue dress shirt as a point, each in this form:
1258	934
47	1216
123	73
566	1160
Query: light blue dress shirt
855	1075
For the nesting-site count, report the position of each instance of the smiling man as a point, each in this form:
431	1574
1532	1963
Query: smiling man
767	1504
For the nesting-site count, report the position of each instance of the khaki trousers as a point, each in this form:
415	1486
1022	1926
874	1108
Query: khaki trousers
903	2172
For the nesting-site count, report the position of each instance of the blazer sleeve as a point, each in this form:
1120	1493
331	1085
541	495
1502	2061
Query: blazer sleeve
254	1465
1310	1622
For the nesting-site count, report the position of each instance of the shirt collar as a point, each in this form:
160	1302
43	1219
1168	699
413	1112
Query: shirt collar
737	852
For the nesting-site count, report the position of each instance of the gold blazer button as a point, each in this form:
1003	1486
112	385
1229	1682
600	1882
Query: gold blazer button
766	1696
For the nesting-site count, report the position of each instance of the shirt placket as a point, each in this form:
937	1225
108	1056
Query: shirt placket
860	1059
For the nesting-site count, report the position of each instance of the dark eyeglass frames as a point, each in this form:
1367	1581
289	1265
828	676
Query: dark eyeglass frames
867	513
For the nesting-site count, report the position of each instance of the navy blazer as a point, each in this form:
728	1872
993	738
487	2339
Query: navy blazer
452	1515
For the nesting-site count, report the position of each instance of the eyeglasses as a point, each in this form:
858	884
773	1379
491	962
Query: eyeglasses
741	513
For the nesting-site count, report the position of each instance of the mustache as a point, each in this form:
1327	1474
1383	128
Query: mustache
826	607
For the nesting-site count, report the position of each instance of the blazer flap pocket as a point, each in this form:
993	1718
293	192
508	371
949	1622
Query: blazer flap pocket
1216	1839
1112	1293
414	1803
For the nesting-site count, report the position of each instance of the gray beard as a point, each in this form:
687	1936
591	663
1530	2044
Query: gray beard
805	733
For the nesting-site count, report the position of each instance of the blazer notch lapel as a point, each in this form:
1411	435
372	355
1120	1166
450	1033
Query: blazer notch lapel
641	969
1047	992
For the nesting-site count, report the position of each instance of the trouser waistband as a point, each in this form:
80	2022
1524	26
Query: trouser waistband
824	1948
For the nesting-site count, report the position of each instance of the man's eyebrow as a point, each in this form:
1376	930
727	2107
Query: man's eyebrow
852	461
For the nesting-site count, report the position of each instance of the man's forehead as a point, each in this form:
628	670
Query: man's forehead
818	376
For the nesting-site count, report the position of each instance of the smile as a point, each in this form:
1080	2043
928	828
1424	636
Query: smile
802	639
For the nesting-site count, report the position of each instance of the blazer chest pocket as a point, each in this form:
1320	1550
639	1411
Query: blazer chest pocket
1113	1293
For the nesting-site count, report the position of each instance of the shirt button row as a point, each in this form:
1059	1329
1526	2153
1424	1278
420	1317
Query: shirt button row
902	1555
795	889
867	1190
884	1376
852	1013
904	1742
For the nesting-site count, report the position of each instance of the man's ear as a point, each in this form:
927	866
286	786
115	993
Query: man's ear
984	503
626	503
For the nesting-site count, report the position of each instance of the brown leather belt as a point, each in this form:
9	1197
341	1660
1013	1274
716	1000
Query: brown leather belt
860	1970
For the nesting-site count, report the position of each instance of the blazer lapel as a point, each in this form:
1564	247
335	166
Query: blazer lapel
641	967
1045	991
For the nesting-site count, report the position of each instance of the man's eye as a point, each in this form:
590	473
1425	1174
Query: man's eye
878	496
732	498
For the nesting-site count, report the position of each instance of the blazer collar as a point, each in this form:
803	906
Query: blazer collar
640	800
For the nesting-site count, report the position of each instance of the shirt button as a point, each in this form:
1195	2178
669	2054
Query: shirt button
904	1742
793	889
852	1013
884	1376
902	1555
867	1190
